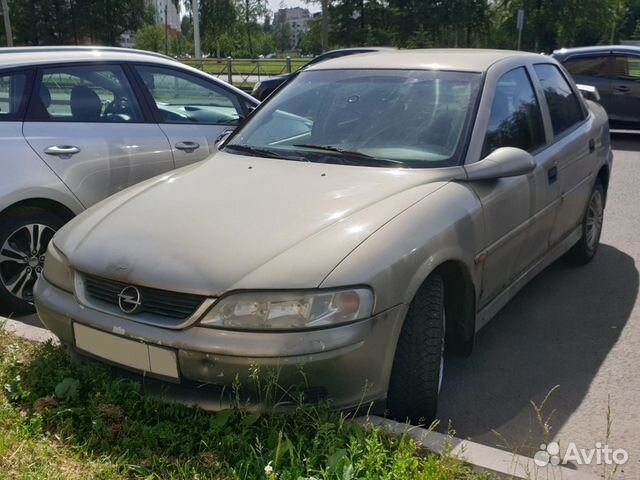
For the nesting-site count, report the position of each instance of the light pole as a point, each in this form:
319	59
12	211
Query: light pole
196	28
166	31
7	23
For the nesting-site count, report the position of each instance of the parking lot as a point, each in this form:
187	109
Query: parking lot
575	328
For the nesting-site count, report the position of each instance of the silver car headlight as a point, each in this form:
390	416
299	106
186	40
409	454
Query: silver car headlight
290	310
57	270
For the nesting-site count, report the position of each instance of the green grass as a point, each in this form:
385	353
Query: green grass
64	420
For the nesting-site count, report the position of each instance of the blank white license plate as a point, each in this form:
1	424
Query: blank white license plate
126	352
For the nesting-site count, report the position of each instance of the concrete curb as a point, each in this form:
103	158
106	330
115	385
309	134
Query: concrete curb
481	457
28	332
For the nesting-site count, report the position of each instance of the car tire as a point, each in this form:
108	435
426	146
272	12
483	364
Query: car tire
23	231
586	248
418	365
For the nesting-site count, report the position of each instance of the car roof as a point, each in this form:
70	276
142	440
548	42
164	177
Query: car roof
454	59
23	56
568	52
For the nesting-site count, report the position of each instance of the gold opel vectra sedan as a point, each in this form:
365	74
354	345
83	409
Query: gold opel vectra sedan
374	213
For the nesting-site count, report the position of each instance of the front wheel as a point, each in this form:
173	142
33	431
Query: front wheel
24	237
418	365
585	249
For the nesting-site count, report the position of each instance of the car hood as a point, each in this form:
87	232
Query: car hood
237	222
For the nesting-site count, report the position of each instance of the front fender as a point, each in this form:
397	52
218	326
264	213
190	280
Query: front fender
396	259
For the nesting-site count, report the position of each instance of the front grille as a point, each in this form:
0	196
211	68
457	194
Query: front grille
155	302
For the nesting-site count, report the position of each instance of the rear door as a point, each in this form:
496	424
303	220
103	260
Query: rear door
87	124
574	148
596	70
192	111
625	98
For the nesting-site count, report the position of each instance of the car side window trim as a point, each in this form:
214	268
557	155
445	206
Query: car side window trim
19	116
240	103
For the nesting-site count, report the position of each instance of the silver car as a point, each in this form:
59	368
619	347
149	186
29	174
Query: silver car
374	214
78	124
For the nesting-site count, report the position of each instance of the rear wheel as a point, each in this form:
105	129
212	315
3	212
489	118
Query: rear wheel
25	234
586	248
418	366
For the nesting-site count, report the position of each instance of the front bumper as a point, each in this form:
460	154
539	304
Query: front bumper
348	365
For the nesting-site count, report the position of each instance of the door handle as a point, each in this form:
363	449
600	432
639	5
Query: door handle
592	145
622	88
63	151
187	146
552	174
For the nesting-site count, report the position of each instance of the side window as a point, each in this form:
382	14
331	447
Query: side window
515	119
626	68
587	66
184	98
97	93
564	105
12	95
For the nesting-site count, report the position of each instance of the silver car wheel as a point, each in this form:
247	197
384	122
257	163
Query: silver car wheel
22	259
594	220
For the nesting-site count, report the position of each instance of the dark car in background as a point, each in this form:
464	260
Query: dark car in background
264	88
615	71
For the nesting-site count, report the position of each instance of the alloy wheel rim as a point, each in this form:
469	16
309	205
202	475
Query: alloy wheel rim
593	223
22	259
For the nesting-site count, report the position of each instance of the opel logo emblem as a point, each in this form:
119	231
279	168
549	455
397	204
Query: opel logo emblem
130	300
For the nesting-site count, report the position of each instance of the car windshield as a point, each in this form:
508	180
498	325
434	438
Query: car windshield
389	118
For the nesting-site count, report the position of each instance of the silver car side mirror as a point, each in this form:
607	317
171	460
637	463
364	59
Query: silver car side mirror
589	92
222	137
503	162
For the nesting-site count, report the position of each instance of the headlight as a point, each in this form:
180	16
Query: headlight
290	310
56	269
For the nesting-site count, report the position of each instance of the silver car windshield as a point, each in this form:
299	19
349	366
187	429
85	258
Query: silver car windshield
408	118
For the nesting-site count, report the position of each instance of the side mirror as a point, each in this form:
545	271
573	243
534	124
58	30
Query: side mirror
503	162
589	92
223	136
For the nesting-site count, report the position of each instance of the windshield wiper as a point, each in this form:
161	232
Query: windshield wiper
354	155
262	152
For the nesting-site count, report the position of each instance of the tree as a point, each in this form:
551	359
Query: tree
325	24
56	22
150	37
282	36
311	41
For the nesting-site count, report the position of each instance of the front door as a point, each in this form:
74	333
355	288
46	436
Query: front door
625	85
192	111
518	211
87	125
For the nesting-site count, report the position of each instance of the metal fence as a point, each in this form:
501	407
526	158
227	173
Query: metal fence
246	72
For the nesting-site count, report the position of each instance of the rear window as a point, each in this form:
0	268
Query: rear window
564	105
12	95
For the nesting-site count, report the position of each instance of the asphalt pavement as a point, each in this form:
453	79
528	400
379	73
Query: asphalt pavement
575	329
574	332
